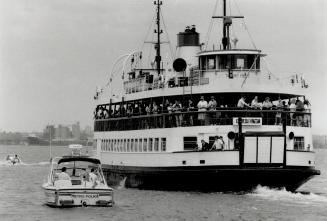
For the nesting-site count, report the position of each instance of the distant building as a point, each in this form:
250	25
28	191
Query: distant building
62	132
49	131
76	131
88	130
87	133
71	133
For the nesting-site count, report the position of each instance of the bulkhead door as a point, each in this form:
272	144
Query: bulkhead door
265	149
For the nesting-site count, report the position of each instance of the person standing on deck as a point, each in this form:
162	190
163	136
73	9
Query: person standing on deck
177	107
241	103
170	110
292	110
212	106
190	108
218	144
299	117
154	111
267	105
278	118
202	106
255	103
307	116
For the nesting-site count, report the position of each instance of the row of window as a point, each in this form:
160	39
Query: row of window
190	143
159	144
134	145
237	61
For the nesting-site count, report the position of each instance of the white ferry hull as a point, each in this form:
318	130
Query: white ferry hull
273	165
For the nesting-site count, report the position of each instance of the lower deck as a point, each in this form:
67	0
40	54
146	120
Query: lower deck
229	170
275	155
245	157
177	147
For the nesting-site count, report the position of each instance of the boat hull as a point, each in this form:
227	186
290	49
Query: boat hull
78	197
209	178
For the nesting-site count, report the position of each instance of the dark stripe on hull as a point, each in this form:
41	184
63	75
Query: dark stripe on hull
53	205
208	178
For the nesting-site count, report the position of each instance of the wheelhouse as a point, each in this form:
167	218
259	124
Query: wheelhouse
236	59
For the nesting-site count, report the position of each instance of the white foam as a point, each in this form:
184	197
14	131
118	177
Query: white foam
121	184
44	163
284	195
6	163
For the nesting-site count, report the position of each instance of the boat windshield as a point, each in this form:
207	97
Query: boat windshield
78	170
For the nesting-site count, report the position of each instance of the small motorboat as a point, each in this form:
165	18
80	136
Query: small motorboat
13	159
77	180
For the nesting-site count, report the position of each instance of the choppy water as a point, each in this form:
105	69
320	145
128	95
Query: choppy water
21	197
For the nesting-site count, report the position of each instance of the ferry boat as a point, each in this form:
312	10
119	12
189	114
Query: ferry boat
159	132
75	186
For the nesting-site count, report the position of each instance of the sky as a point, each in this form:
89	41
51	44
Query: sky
54	53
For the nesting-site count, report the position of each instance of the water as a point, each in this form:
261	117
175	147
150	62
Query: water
21	197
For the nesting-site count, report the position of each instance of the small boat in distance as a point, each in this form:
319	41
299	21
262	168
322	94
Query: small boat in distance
13	159
77	180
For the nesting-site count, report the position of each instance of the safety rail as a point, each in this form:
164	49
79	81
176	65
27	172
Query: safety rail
145	84
203	118
196	78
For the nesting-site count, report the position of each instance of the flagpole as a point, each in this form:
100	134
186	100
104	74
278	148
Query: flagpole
50	143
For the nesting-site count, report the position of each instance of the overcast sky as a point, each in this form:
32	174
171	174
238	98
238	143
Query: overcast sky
53	53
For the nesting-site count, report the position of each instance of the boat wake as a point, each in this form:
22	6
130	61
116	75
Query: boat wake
287	196
42	163
6	163
121	184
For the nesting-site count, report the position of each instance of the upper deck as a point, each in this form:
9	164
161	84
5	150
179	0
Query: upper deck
197	70
201	81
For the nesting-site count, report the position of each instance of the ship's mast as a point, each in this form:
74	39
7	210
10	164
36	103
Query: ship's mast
227	21
158	31
225	39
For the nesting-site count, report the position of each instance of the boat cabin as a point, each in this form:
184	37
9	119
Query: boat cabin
77	168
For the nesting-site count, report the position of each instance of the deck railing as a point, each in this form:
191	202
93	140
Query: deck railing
141	84
196	78
203	118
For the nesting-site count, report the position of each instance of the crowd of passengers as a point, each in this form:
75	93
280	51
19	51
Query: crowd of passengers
168	107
